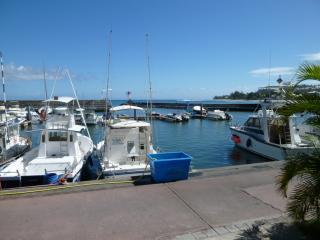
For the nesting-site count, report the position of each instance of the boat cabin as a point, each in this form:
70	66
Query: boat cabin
128	139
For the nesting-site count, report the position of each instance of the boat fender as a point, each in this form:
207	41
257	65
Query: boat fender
249	143
236	139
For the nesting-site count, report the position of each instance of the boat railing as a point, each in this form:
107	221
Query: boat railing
57	126
65	171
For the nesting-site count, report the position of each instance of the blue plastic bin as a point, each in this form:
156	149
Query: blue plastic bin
168	167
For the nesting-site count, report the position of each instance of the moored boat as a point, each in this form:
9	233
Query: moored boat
269	135
12	145
218	115
198	112
90	117
127	142
61	154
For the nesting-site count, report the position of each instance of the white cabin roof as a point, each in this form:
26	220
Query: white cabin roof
130	124
61	99
125	107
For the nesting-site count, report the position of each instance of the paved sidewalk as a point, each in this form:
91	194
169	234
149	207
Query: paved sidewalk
217	203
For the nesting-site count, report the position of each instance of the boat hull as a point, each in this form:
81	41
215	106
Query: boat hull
264	149
31	180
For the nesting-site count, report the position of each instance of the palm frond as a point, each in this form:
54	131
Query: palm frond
308	71
298	166
304	199
309	103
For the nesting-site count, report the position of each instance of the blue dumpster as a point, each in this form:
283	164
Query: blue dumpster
168	167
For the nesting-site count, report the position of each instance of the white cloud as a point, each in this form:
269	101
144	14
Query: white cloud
13	72
311	56
275	71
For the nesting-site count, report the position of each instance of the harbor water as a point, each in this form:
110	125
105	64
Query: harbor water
207	141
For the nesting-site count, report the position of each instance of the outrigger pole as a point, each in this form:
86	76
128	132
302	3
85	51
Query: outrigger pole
75	94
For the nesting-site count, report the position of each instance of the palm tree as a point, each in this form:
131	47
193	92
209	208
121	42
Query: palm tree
303	170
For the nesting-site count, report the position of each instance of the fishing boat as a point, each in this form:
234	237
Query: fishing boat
269	135
12	145
127	142
62	151
218	115
128	134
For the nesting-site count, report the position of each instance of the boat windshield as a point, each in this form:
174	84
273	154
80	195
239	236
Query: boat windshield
253	122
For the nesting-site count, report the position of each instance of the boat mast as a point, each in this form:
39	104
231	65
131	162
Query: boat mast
149	76
45	89
108	73
108	115
4	101
269	74
45	82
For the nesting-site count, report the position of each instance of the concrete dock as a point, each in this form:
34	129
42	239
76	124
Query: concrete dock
213	204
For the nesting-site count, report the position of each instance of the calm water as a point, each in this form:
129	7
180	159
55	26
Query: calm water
208	142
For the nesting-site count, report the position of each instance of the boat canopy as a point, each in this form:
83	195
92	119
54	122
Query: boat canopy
198	108
130	124
125	107
65	100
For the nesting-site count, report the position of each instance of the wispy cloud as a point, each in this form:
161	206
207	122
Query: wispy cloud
275	71
311	56
14	72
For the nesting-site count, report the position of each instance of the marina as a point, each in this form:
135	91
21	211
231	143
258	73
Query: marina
184	136
163	120
216	148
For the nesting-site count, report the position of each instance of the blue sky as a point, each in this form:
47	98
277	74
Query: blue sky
198	48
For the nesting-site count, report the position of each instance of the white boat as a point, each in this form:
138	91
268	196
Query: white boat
218	115
185	116
5	117
61	154
16	111
12	145
269	135
91	117
78	113
199	112
173	117
127	142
